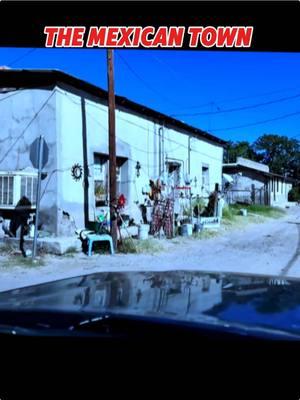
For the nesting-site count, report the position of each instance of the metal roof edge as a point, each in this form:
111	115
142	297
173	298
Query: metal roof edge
57	76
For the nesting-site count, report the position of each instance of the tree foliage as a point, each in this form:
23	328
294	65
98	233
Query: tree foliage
239	149
280	153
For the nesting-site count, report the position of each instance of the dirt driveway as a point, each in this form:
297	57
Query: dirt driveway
271	248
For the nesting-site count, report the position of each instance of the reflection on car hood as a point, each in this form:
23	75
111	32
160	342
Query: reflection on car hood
251	301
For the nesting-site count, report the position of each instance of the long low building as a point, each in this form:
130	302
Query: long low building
252	182
72	115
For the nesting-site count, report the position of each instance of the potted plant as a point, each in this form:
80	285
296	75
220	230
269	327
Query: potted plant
100	192
186	228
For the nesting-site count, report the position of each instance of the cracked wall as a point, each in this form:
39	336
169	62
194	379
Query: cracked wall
17	111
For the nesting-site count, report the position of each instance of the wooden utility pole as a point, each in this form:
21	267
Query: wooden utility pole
112	145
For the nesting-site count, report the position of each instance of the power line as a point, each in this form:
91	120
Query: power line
237	99
241	108
186	147
172	141
144	129
146	84
258	122
21	57
12	94
155	57
27	126
105	128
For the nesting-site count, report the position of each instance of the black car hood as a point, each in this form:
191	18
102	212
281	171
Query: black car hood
253	302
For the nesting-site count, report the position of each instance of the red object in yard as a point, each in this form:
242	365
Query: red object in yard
121	201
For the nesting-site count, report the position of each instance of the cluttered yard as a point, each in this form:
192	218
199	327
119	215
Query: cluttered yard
263	240
153	193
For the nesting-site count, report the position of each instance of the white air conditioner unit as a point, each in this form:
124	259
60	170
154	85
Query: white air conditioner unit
16	184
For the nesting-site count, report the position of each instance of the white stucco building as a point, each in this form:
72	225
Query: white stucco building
254	183
73	117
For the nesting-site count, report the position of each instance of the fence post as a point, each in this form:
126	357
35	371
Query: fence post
260	200
216	199
253	193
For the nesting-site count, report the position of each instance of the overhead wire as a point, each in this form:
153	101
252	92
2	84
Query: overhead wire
145	83
218	102
236	109
257	122
106	129
14	93
21	57
167	139
30	51
27	126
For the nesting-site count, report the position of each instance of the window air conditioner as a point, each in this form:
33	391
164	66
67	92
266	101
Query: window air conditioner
16	184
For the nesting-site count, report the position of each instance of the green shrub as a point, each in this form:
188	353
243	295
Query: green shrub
264	211
229	213
294	194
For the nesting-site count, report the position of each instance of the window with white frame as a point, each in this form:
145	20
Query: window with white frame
28	188
14	185
6	190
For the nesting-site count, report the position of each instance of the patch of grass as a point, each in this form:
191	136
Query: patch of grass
230	213
6	248
127	246
256	214
71	251
140	246
264	211
20	261
256	219
69	255
205	234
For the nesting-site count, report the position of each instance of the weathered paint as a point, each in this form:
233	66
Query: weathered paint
16	113
137	140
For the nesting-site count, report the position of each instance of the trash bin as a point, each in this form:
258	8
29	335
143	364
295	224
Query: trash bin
198	227
143	231
186	230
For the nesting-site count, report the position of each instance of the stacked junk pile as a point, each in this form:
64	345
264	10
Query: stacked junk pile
169	209
172	209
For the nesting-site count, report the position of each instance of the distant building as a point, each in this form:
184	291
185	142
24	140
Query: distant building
252	182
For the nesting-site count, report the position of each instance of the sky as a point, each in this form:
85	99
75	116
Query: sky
242	90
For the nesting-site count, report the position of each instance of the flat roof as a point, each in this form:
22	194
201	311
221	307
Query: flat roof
230	166
41	78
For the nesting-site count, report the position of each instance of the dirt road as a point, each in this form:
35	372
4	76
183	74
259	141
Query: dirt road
271	248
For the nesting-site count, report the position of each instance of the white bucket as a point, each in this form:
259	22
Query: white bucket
244	212
186	230
31	231
143	231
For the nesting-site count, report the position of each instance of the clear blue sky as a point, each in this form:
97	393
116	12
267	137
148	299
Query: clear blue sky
185	82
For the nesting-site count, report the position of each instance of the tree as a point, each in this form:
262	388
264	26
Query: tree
239	149
280	153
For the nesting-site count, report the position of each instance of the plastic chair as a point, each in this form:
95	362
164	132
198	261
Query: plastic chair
94	237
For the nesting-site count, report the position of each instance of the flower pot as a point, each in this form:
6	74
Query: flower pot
143	231
186	230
